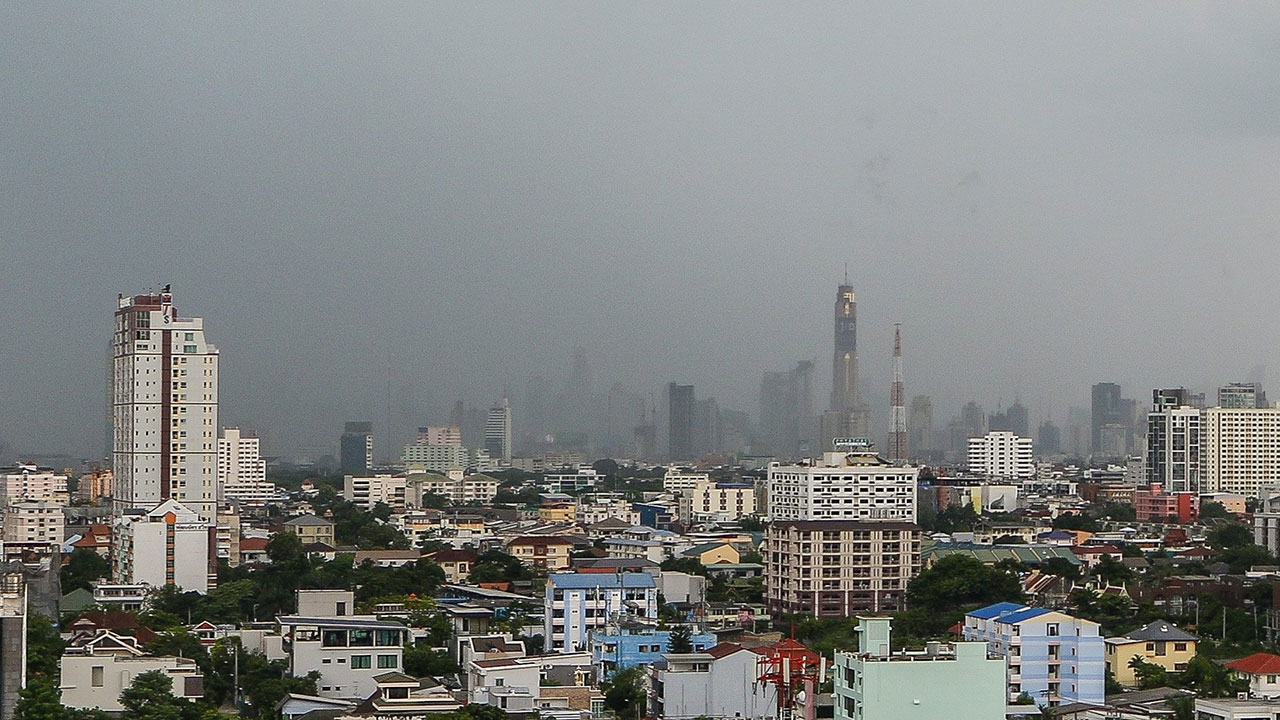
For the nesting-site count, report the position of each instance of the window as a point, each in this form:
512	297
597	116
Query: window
387	638
499	682
334	638
387	662
361	662
1051	629
96	673
361	638
1180	647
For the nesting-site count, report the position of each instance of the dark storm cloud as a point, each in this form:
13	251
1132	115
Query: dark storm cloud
1045	195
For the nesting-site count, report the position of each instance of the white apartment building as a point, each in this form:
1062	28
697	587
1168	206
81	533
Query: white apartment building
349	651
1239	449
242	473
167	545
1002	455
421	456
369	491
676	481
577	603
94	672
833	568
720	682
30	483
34	521
497	432
440	435
164	406
460	488
717	502
582	478
1173	442
593	508
843	486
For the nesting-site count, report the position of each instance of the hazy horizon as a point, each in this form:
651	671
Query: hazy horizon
1045	195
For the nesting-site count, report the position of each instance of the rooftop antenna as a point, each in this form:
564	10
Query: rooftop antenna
846	272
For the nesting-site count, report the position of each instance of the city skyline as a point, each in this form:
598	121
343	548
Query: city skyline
674	189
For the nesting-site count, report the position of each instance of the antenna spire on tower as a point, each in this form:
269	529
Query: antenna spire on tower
897	403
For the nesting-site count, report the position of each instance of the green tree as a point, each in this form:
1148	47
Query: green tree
625	692
150	697
958	581
423	660
1209	679
1112	571
44	647
498	566
1211	509
681	640
82	569
1228	536
1149	675
956	518
40	700
1061	567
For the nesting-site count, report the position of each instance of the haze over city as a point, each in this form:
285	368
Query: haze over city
462	194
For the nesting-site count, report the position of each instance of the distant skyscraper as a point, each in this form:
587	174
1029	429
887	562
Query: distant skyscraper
708	433
1049	439
844	364
786	411
920	425
897	403
1106	411
165	406
680	409
497	432
1242	395
356	451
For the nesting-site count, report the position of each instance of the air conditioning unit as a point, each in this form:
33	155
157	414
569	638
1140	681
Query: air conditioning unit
1242	696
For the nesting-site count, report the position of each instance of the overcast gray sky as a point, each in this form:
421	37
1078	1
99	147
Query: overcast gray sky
1045	194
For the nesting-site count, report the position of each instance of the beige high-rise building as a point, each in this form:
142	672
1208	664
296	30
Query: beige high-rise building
1239	449
164	406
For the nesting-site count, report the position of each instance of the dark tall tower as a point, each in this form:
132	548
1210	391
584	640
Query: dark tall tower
680	405
356	447
897	403
1105	411
844	363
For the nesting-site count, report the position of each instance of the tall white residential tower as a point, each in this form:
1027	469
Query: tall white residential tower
164	406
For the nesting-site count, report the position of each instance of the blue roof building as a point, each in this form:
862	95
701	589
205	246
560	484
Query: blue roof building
1051	656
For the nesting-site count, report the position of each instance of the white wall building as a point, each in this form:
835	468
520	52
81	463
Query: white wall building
93	674
242	473
582	478
369	491
29	483
843	486
576	603
1239	449
720	683
676	481
348	652
167	545
164	406
1002	455
455	484
717	502
31	521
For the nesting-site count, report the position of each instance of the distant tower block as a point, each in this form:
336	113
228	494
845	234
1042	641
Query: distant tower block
898	450
844	363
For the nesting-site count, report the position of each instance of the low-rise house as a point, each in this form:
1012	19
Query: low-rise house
311	529
550	553
94	670
400	696
565	670
712	553
347	651
1159	643
457	564
718	682
385	558
1262	670
253	551
617	648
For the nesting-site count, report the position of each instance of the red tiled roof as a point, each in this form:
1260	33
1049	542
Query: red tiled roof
722	650
537	540
1257	664
253	544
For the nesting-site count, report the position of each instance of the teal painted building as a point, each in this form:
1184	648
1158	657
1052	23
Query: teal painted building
957	682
